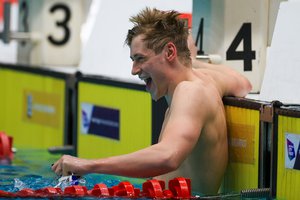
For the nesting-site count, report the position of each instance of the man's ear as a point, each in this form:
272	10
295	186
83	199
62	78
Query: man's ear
171	51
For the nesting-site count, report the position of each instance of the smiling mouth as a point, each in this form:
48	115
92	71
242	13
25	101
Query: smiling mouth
145	78
147	81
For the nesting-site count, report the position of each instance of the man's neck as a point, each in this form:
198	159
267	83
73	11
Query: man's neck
178	75
168	100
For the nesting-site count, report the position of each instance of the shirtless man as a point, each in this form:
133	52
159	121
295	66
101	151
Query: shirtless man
194	127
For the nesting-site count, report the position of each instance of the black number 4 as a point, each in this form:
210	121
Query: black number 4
247	55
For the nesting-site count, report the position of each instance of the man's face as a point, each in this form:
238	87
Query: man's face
149	67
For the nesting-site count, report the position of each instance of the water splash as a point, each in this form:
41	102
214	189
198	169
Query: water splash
19	185
67	181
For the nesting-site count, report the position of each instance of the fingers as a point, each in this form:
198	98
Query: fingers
56	168
66	171
68	165
59	167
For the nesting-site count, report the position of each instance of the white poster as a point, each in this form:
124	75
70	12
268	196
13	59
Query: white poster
292	151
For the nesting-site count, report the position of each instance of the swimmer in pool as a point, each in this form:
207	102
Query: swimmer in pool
194	127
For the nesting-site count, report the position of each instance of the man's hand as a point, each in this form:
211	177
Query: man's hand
68	165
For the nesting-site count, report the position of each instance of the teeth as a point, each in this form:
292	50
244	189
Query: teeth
144	78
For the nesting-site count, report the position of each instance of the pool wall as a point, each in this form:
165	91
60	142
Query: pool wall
285	177
245	155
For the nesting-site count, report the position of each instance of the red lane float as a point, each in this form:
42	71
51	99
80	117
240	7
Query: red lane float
154	188
99	190
76	190
179	188
49	191
6	147
124	189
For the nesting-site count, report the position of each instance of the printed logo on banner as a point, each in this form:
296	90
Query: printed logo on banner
42	108
292	157
100	121
86	114
290	149
241	143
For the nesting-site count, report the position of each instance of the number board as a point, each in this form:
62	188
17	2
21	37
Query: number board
58	24
237	30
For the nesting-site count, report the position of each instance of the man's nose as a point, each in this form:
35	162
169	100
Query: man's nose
135	69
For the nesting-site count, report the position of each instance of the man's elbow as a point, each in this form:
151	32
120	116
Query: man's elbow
170	163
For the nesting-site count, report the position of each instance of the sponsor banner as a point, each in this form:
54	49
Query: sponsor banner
292	151
101	121
42	108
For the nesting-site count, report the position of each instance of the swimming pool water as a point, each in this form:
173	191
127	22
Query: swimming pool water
31	168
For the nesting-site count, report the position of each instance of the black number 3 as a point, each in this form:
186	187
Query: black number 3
63	24
247	55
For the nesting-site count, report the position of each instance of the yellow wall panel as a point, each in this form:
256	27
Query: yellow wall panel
243	131
288	180
28	133
135	120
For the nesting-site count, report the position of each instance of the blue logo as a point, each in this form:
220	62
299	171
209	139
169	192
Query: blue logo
291	149
85	119
105	122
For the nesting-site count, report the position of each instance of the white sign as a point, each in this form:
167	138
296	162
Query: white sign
292	151
237	30
56	25
281	80
8	52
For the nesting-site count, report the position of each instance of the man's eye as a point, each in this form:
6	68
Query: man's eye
139	58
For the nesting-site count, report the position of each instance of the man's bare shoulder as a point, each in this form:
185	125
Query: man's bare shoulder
202	87
197	96
194	88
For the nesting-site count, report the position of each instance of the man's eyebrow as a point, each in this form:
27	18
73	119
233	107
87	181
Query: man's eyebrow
135	56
